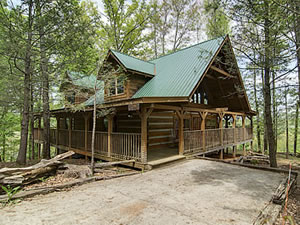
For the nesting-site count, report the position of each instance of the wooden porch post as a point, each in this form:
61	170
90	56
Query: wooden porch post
234	136
109	131
86	127
70	134
221	115
39	134
144	132
203	117
57	134
226	126
251	124
180	132
244	137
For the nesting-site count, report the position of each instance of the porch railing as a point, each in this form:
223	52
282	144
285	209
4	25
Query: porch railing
126	146
200	141
101	142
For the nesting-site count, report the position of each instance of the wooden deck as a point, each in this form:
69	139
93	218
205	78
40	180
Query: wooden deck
127	146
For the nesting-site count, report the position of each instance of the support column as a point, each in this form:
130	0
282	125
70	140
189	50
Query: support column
203	118
70	134
110	119
251	143
226	126
86	128
180	132
244	136
57	134
144	132
234	136
221	115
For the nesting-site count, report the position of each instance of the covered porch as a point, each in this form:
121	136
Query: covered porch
150	132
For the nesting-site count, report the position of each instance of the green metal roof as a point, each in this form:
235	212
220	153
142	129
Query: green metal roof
99	99
178	73
83	80
133	63
88	82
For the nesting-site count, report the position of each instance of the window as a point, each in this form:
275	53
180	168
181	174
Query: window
117	87
71	97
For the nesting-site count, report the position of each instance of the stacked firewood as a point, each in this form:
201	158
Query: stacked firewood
254	157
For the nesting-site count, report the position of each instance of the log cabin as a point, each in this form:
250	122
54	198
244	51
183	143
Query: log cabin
188	102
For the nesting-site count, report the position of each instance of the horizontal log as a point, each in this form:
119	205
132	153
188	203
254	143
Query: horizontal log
107	164
27	175
159	133
46	190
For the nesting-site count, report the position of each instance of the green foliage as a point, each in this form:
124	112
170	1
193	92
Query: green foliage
217	22
124	26
10	192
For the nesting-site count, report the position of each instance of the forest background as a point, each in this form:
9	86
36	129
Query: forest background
42	39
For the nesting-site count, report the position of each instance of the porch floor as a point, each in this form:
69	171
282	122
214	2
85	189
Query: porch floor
163	155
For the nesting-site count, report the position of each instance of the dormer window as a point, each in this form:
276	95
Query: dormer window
117	86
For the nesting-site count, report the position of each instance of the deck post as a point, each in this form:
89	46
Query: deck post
70	134
86	124
144	114
221	115
180	132
244	134
226	126
234	136
251	142
109	131
203	117
39	134
57	134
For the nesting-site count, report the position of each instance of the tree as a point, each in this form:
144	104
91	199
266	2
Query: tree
259	29
124	26
217	22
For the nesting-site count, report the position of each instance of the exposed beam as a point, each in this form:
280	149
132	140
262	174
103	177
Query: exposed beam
222	72
211	77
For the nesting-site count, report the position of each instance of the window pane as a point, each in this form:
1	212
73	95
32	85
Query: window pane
120	87
112	88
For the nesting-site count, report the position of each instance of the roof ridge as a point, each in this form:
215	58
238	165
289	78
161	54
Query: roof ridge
191	46
132	56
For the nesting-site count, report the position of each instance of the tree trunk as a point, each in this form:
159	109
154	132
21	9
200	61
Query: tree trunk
31	123
45	89
297	36
265	149
296	128
21	159
93	131
286	126
267	89
257	116
274	109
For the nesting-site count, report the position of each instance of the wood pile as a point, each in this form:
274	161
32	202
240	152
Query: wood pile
254	157
24	176
281	192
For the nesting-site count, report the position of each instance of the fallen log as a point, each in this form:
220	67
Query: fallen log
107	164
280	193
46	190
23	176
268	215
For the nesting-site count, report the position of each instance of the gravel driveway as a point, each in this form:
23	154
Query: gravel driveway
189	192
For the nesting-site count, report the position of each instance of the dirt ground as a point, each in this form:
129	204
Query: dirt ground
191	192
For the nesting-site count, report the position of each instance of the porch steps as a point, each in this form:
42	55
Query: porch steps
166	160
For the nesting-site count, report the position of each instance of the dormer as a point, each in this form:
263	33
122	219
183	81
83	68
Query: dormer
135	73
77	87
